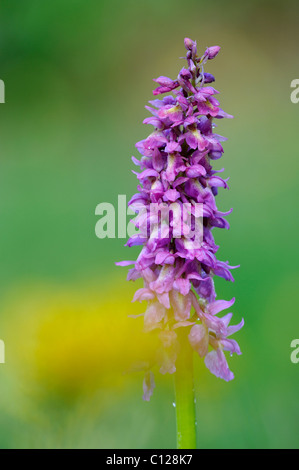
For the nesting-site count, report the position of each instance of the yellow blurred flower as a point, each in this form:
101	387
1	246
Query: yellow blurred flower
74	341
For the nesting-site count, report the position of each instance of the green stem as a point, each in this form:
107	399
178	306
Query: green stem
184	394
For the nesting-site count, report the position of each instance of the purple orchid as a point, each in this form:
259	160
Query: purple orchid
175	169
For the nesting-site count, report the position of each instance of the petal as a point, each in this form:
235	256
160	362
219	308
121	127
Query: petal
148	385
171	195
219	305
181	306
164	81
217	364
172	147
165	280
168	338
215	324
208	77
154	314
154	122
199	339
125	263
226	319
147	173
164	257
143	294
168	361
231	345
222	114
195	170
217	182
174	113
234	328
182	285
164	299
182	323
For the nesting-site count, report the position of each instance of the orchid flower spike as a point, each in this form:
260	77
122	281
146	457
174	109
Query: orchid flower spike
178	270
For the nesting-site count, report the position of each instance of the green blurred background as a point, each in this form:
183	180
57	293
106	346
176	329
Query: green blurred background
78	74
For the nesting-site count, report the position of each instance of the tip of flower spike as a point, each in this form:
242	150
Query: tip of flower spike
188	44
191	50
